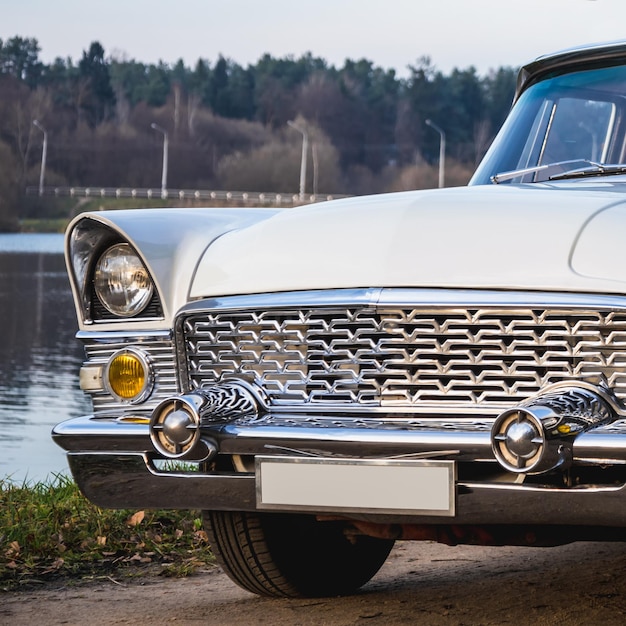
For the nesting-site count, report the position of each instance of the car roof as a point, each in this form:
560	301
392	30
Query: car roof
580	55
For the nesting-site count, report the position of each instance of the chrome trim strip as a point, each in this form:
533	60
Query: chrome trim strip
125	480
467	298
316	298
438	298
600	447
158	348
116	336
252	439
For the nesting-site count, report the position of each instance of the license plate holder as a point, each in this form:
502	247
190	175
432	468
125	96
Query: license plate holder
343	485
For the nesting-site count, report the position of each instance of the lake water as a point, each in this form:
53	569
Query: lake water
39	355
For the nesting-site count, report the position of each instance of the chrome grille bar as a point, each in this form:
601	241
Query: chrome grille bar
416	356
160	350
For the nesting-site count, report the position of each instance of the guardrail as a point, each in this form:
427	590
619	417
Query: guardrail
236	197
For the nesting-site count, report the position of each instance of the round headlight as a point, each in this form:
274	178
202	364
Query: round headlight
122	282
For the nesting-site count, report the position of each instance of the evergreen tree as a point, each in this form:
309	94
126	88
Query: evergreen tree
19	57
93	75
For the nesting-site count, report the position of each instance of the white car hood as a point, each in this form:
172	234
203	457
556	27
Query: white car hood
564	237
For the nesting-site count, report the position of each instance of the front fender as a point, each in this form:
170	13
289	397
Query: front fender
170	242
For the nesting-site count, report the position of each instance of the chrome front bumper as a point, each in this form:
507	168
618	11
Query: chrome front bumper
129	480
113	464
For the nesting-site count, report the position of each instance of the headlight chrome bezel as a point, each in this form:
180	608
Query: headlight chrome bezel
119	273
140	360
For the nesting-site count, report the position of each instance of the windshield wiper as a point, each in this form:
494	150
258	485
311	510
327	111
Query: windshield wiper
504	176
594	169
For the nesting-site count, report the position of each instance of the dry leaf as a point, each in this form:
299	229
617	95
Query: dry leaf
136	519
201	535
101	541
14	549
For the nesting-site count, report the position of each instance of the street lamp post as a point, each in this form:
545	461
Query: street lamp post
305	149
44	154
442	150
315	167
165	152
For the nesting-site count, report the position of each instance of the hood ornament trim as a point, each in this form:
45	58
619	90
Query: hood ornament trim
537	436
176	423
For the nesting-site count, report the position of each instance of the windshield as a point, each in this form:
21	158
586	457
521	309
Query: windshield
578	116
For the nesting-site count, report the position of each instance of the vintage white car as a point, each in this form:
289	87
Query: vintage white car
446	365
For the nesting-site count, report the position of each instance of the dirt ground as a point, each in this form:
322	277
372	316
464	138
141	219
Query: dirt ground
421	583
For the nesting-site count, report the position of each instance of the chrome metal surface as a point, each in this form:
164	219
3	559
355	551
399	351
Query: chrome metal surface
123	480
228	401
423	351
538	435
459	439
175	426
176	422
100	347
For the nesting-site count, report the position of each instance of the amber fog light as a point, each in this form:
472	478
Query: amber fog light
128	375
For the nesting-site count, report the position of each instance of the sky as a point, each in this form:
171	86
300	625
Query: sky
393	34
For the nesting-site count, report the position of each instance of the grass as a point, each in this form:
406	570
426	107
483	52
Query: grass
49	530
51	225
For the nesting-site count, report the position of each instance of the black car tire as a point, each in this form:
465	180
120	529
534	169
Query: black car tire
292	555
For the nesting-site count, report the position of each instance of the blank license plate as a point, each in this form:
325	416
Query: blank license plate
423	487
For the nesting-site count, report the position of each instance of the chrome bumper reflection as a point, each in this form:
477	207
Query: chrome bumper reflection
128	480
463	441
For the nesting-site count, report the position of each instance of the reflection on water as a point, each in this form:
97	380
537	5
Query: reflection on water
39	355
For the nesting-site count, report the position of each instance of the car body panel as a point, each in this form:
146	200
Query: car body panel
489	237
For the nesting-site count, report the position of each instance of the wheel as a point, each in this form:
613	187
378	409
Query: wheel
289	555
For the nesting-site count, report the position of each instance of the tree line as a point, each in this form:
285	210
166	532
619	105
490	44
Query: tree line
228	125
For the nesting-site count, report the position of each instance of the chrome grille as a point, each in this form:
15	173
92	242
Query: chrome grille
161	355
423	358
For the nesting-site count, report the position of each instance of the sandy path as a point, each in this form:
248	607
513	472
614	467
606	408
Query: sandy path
421	583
